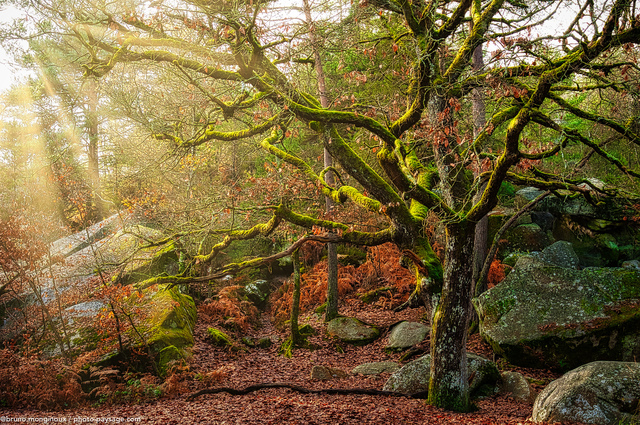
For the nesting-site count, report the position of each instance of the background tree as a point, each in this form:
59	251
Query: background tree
400	136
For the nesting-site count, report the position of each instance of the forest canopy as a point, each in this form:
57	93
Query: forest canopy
211	119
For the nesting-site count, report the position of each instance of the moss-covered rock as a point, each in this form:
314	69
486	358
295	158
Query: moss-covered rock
169	322
170	357
307	329
525	237
219	338
159	262
352	331
374	295
544	315
375	368
265	342
257	292
405	335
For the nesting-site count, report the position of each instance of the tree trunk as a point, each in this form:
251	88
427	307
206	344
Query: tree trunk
296	338
331	311
479	121
448	385
92	151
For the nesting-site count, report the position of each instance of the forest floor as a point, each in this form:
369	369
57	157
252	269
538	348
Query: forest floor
221	367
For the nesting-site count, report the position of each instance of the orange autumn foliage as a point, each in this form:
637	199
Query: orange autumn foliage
230	308
382	269
496	273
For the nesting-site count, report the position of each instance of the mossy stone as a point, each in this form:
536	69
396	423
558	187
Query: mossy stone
219	338
169	357
352	331
265	342
549	316
172	319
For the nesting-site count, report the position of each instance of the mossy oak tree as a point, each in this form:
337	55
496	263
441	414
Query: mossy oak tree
412	102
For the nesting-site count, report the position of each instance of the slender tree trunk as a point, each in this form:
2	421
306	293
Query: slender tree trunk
331	311
296	338
482	228
92	151
449	385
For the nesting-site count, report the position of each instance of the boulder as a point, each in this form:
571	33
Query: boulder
631	265
171	319
561	254
407	334
413	377
265	342
352	331
525	237
544	219
517	387
375	368
526	195
169	322
219	338
71	244
543	315
86	309
257	292
599	393
150	262
324	373
565	205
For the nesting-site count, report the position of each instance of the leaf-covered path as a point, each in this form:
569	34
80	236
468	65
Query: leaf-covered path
240	369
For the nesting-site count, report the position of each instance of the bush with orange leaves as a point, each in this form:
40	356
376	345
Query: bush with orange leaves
382	268
230	308
44	385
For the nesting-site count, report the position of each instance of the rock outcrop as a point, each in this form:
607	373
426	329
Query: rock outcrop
546	315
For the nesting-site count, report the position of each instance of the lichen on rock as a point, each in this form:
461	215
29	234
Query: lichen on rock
545	315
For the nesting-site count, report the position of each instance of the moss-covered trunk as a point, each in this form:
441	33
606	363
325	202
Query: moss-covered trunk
296	338
449	385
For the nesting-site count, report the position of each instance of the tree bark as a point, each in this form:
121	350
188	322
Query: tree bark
92	150
448	385
296	338
331	311
479	121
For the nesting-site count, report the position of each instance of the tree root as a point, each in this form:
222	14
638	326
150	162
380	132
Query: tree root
345	391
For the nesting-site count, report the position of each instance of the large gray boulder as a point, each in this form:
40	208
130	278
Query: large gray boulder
545	315
413	377
352	331
407	334
599	393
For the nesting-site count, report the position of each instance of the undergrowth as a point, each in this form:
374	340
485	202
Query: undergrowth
231	309
31	383
381	269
